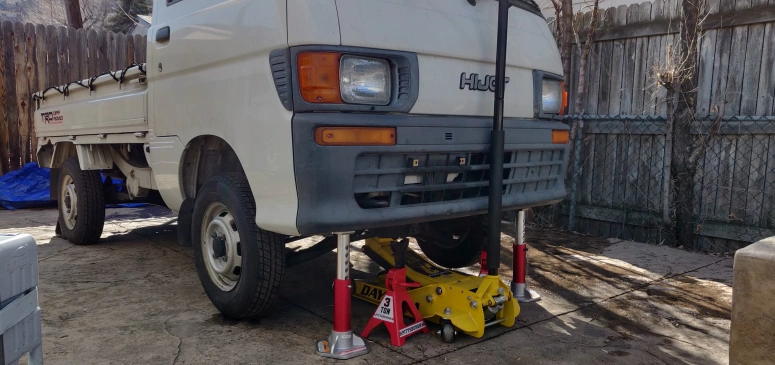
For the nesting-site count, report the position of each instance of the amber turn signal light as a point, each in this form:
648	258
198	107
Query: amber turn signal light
564	105
355	136
560	137
319	77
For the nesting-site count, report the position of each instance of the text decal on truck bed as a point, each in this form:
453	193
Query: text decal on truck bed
52	117
473	82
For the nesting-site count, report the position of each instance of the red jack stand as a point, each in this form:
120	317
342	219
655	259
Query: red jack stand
518	284
390	310
483	263
342	344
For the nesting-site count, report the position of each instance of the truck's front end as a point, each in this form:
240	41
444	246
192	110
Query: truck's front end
392	125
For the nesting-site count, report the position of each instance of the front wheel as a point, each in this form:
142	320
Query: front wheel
240	265
454	243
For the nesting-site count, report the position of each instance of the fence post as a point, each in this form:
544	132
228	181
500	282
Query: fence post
575	173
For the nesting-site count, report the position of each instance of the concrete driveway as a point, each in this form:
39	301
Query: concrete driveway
135	298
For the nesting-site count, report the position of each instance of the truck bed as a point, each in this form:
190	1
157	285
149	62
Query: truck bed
114	102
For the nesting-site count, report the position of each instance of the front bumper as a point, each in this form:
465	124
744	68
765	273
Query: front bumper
361	187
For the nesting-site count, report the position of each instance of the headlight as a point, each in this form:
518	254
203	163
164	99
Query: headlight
551	97
364	80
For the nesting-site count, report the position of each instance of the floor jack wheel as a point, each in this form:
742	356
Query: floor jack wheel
447	331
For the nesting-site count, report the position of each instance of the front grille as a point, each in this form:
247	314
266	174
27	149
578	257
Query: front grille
401	179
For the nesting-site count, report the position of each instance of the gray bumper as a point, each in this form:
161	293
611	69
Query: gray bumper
353	188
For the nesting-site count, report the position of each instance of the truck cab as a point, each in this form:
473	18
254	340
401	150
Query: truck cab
261	121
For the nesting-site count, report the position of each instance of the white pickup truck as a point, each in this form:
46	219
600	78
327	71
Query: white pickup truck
263	120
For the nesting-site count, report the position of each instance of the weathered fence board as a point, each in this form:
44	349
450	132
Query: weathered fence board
34	57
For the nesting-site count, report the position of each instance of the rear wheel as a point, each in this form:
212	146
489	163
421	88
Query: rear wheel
240	265
454	243
81	203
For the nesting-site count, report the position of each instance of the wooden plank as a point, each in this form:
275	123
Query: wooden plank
617	216
74	57
734	86
606	59
103	64
752	67
64	74
111	51
740	179
726	19
657	170
143	49
721	68
41	62
120	51
30	67
608	179
588	170
81	38
52	62
22	102
130	50
599	162
92	49
617	65
628	68
604	88
734	231
593	79
757	172
9	98
766	95
726	169
711	179
631	169
139	48
667	48
4	140
768	204
641	188
707	53
641	66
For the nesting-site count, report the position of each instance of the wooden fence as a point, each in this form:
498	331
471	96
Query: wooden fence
34	57
620	186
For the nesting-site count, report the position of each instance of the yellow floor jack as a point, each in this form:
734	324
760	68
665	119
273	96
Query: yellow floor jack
446	297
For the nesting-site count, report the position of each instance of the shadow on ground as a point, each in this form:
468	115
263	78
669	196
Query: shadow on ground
135	298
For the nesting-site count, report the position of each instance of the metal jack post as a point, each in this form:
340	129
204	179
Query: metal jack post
519	284
342	344
495	201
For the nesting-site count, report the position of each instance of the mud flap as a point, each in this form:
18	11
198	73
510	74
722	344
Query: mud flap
185	215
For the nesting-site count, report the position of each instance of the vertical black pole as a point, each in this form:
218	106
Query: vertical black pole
496	146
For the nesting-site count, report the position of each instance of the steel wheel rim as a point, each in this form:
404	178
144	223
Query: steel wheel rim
69	203
221	247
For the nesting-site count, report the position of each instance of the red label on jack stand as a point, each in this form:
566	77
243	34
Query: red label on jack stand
385	309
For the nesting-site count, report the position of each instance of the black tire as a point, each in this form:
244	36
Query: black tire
90	205
454	243
262	252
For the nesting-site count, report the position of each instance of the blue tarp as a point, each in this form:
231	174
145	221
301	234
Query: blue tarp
27	187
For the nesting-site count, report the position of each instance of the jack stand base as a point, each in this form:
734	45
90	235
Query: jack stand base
523	294
342	346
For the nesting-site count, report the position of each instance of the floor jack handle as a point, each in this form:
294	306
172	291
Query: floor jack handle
495	194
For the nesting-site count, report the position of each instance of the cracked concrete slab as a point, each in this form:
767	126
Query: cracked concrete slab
135	298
